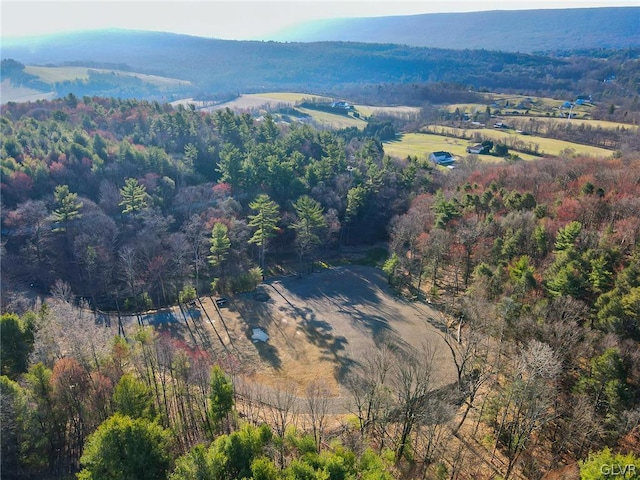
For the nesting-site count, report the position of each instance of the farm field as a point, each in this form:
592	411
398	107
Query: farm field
536	106
396	111
292	97
273	100
547	146
422	144
575	123
267	100
330	120
547	102
61	74
12	93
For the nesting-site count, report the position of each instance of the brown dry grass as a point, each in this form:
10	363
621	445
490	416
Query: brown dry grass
320	328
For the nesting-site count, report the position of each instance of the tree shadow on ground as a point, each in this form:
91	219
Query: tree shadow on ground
257	306
269	354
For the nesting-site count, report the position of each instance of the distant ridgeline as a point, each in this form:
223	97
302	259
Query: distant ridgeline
323	67
512	31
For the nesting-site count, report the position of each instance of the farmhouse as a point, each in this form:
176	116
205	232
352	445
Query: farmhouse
442	158
342	105
478	149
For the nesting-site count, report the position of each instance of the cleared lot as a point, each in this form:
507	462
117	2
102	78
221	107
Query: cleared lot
319	327
323	325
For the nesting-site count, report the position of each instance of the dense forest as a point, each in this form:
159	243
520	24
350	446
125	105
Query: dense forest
133	205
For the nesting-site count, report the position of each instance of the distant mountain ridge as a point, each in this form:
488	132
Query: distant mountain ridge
212	68
224	65
505	30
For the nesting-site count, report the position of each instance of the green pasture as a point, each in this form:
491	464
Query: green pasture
422	144
332	121
546	146
576	122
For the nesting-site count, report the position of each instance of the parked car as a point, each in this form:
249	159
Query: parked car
221	302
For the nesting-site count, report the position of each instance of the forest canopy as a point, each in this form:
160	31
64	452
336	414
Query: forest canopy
130	205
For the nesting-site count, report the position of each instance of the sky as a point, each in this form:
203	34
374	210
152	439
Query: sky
233	20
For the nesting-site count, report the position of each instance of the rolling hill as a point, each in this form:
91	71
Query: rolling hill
513	31
208	68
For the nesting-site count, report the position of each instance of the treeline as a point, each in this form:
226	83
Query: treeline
120	198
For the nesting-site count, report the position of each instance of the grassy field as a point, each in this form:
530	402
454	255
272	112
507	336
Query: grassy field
546	146
396	111
537	106
604	124
58	74
422	144
267	100
12	93
61	74
329	120
291	97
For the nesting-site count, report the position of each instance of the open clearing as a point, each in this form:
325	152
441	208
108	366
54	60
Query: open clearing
547	146
422	144
330	120
574	122
401	111
320	328
267	100
12	93
61	74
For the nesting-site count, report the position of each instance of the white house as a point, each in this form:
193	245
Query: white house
478	149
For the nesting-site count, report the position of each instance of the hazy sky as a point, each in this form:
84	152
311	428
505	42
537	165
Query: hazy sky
239	20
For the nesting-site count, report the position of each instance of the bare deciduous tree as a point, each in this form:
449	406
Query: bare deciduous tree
318	408
526	400
68	331
412	383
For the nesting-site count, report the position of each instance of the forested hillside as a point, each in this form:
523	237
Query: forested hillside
129	205
551	30
218	68
85	181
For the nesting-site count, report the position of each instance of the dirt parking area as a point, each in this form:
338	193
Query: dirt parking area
321	326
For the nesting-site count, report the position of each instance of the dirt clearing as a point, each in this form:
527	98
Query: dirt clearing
320	327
